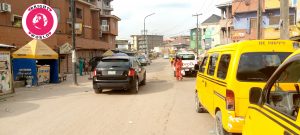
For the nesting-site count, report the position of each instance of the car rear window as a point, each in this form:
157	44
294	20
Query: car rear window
108	63
258	67
187	56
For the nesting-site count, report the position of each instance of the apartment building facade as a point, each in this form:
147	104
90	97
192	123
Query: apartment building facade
90	39
210	30
245	19
138	43
225	22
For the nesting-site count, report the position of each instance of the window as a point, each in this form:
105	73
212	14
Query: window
258	67
212	64
57	11
223	66
17	21
187	56
292	20
253	23
108	63
284	95
203	64
79	13
274	20
104	22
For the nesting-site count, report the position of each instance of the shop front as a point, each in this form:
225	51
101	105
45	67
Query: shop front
5	70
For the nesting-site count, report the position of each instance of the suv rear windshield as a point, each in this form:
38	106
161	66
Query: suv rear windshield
187	56
258	67
107	63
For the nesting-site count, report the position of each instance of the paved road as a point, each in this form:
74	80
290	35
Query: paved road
163	107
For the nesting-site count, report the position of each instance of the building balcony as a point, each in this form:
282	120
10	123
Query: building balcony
108	7
226	23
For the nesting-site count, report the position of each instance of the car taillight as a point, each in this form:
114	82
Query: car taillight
131	72
230	100
95	72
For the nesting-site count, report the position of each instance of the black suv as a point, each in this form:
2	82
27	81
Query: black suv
119	72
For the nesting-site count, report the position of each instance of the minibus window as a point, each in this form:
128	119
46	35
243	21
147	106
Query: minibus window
258	67
284	96
223	66
212	64
203	64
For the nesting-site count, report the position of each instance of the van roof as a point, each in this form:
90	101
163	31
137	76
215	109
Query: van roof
256	45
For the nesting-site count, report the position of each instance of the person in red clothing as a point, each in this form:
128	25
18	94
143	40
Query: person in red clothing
178	68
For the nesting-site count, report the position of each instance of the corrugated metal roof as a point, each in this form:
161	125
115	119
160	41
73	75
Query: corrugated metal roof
212	19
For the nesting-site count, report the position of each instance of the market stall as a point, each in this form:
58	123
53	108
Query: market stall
36	63
5	69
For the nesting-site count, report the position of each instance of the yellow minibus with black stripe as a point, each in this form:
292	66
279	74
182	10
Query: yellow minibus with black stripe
227	73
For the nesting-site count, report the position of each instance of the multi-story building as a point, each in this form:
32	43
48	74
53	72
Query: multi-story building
90	39
138	42
245	19
210	30
225	22
193	39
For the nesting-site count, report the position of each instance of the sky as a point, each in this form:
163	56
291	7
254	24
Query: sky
171	18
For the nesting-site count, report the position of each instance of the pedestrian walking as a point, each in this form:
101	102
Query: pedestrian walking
178	68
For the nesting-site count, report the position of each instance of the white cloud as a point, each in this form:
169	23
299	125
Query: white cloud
172	17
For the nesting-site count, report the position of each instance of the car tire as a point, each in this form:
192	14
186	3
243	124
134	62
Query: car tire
198	106
144	80
135	86
174	73
98	91
219	130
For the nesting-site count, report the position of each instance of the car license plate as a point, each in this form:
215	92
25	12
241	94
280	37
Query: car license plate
186	69
111	72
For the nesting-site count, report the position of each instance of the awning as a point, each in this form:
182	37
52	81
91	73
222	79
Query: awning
35	49
6	46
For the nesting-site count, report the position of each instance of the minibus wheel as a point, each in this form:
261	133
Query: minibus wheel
198	105
218	125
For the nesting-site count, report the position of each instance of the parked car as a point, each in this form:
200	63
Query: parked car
227	73
144	60
119	72
274	110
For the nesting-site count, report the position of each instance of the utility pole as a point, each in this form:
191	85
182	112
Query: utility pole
73	42
284	19
259	19
145	41
197	35
227	17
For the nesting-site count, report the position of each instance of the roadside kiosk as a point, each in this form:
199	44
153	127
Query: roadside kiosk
36	62
5	70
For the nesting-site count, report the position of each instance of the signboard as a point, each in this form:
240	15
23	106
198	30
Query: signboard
43	74
5	72
39	21
65	49
78	28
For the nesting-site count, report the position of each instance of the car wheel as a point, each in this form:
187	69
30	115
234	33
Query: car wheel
135	87
218	125
198	105
144	80
98	91
174	73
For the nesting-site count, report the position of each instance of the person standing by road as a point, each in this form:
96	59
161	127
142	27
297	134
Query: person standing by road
178	68
81	66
